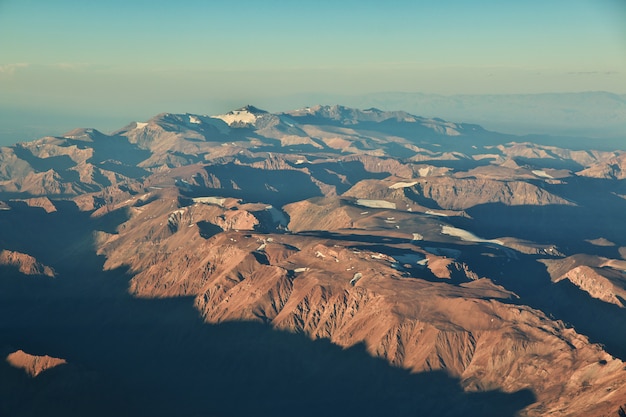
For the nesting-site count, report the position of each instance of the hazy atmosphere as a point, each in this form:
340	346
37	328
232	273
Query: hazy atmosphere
101	64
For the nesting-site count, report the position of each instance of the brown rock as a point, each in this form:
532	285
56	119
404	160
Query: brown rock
33	365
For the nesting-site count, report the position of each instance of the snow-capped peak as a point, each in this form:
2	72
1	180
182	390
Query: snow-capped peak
245	116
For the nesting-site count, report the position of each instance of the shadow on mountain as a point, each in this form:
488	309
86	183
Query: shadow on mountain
129	356
597	195
114	153
602	322
566	226
63	390
548	163
300	148
276	187
397	150
461	164
115	148
420	198
129	171
347	237
343	175
57	163
570	228
110	221
207	229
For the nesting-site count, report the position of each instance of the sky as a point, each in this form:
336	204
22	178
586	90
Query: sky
133	58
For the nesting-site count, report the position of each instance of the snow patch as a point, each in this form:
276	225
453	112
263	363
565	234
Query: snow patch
434	213
543	174
277	216
194	120
399	185
466	236
376	204
238	116
218	201
355	278
140	125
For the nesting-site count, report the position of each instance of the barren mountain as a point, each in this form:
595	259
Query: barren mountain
386	262
460	194
25	264
31	364
613	168
602	278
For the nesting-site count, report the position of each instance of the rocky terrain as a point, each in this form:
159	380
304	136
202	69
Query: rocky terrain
252	263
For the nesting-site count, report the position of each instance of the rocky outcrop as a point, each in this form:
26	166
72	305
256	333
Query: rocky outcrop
33	365
25	264
613	168
460	194
601	278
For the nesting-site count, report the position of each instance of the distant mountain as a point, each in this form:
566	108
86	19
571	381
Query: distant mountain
86	160
251	263
586	114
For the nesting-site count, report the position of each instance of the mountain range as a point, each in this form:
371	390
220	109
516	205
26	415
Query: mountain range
567	117
582	114
321	261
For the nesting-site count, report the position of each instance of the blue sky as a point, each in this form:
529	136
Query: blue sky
140	57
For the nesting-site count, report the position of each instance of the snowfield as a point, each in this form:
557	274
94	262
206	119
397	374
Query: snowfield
467	236
218	201
238	116
434	213
376	203
543	174
399	185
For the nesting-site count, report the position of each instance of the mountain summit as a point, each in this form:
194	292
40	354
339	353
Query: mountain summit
243	117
